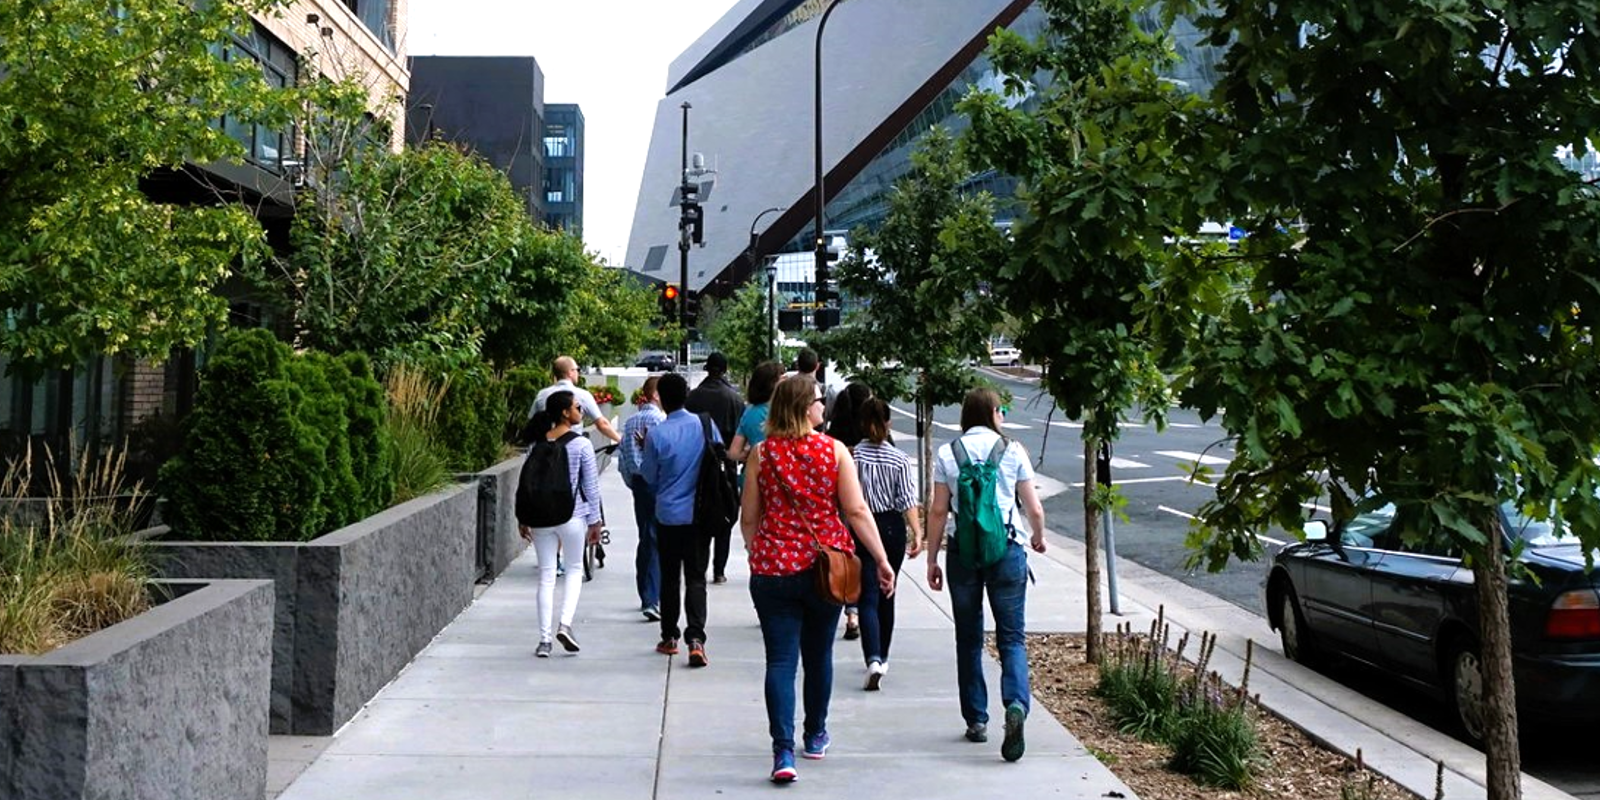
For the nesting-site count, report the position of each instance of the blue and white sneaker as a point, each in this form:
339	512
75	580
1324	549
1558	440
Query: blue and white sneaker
817	746
783	770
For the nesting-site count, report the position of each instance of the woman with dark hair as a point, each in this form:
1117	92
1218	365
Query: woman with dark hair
560	414
800	483
1005	580
844	419
844	424
752	426
886	482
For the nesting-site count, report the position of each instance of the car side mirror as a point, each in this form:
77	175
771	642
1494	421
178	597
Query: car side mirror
1315	530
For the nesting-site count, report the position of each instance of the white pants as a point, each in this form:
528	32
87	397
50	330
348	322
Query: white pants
569	537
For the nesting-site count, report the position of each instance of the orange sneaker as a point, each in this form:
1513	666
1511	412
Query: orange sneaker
667	647
697	654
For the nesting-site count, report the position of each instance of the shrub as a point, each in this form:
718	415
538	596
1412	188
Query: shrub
471	425
73	569
522	385
279	446
1139	682
1215	741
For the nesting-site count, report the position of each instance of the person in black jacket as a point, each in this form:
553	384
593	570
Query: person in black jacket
718	399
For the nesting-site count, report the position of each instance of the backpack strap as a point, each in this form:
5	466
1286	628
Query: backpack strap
998	451
959	450
705	426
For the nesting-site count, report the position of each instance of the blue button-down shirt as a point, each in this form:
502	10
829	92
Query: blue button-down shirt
630	454
671	465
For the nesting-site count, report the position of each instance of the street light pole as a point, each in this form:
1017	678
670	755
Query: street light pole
821	270
754	254
684	200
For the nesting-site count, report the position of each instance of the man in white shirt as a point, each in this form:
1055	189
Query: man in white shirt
565	371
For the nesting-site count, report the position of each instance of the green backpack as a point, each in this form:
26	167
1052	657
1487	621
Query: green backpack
981	535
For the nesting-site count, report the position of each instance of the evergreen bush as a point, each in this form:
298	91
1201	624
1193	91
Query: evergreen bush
279	447
471	426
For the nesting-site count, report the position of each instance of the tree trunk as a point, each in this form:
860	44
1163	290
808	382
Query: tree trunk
1091	547
924	446
1503	759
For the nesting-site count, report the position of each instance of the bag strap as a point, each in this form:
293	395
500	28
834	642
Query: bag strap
998	451
959	450
793	503
705	427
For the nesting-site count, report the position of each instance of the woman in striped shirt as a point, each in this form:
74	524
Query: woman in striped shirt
886	481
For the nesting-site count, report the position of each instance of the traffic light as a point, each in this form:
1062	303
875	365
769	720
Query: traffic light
668	302
827	314
691	220
691	306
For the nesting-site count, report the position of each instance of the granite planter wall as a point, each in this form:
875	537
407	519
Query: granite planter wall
499	543
353	606
169	704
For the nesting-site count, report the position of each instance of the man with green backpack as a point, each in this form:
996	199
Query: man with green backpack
983	477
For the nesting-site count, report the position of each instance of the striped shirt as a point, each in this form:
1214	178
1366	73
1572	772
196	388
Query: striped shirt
885	477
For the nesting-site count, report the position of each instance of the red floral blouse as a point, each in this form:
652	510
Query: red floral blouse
783	544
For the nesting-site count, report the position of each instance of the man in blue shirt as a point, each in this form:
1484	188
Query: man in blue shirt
671	468
647	563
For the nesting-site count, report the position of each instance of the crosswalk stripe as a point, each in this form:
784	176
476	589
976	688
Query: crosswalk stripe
1185	455
1014	426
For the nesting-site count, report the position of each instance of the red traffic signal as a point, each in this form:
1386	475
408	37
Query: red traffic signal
670	292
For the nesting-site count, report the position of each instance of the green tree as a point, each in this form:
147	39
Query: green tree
1414	319
403	254
923	317
606	318
523	320
1105	198
93	99
739	327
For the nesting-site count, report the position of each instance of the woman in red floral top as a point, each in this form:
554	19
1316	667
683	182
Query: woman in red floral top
797	484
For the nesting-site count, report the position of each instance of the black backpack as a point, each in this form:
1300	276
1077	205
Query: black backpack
716	492
544	490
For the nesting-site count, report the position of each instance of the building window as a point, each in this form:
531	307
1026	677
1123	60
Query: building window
558	142
264	147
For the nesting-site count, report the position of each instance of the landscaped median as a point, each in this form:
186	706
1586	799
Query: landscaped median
170	703
353	606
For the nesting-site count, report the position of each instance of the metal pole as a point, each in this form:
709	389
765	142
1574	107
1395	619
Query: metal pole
683	247
772	312
821	269
1111	534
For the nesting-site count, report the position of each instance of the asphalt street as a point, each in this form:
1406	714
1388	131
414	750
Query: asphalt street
1154	469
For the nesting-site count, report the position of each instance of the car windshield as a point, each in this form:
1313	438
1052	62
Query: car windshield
1536	532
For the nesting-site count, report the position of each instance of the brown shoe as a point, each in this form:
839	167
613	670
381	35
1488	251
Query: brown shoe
667	647
697	654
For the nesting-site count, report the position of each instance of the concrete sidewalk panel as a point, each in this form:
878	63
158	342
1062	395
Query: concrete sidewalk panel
560	677
892	778
554	727
340	777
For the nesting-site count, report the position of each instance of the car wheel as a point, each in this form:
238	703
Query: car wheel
1292	629
1466	688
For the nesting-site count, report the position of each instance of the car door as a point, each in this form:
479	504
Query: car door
1410	585
1337	592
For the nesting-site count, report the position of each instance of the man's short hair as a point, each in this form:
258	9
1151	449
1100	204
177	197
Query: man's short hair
562	366
807	361
717	364
674	390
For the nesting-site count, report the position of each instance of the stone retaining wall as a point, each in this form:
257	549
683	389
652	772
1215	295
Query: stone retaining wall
172	703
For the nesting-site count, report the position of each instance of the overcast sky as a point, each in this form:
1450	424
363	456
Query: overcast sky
608	56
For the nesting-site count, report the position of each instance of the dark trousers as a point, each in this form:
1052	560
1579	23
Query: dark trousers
685	555
876	611
721	542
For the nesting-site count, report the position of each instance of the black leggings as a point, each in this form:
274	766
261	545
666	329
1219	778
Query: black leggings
876	611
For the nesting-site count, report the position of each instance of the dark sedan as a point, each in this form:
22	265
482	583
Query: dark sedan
658	362
1412	611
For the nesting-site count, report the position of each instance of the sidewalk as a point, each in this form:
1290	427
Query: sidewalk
476	716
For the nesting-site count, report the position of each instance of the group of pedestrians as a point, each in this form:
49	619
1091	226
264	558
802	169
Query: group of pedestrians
818	472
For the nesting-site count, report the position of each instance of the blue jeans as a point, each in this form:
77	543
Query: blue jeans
647	559
877	611
797	626
1007	583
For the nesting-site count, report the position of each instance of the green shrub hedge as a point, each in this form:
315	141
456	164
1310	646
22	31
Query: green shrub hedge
279	447
471	423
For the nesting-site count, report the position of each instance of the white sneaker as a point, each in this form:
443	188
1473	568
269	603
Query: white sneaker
875	672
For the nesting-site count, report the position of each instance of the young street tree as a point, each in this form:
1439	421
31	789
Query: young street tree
917	278
1412	319
1105	199
91	102
739	327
